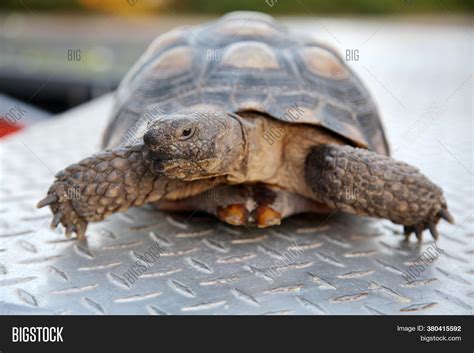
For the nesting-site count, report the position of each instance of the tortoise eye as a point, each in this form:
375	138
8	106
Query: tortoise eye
186	133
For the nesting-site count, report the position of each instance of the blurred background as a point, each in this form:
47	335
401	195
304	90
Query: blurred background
55	55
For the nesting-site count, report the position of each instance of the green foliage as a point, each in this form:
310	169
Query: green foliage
40	5
316	7
282	7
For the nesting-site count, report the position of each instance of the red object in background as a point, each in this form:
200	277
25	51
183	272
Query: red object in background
7	128
16	115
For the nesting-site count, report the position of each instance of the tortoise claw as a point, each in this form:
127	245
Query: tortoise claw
419	233
81	230
429	223
434	232
69	230
56	219
444	213
418	230
63	211
407	230
48	200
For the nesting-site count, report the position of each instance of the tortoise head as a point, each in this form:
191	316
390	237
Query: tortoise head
194	145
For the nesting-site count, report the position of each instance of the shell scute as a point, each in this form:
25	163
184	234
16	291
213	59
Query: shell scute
247	61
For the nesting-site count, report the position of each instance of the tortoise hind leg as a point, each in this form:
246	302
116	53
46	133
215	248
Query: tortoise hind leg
362	182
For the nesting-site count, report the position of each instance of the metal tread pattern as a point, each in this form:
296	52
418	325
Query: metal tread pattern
314	265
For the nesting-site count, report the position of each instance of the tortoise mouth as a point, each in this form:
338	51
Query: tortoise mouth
171	168
157	162
180	168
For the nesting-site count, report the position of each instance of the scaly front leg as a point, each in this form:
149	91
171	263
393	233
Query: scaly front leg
105	183
361	182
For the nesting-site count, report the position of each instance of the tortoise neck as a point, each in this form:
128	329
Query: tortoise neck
245	129
260	157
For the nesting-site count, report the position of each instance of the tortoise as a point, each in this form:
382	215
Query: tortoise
251	123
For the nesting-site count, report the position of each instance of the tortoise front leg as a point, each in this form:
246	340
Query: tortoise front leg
361	182
105	183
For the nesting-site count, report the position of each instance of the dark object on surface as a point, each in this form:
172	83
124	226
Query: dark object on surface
52	93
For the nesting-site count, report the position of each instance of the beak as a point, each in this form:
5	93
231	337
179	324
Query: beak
154	159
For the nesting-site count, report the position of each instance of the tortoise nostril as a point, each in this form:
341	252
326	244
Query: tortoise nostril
150	138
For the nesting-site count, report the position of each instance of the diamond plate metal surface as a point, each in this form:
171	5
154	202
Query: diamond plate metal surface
346	264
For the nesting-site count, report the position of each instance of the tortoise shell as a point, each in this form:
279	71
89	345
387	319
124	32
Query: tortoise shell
246	61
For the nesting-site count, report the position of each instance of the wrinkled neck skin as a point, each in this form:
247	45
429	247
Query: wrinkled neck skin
231	151
263	140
